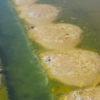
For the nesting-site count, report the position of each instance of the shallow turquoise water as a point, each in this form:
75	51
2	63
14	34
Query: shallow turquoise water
26	79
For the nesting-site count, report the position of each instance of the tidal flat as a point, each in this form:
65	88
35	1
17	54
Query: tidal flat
23	71
77	13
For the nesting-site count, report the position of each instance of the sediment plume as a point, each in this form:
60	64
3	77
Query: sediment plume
57	36
76	67
38	14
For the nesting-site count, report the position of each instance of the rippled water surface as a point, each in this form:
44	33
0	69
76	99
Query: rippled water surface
26	80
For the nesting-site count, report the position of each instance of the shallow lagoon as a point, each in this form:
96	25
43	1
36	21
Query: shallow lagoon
25	77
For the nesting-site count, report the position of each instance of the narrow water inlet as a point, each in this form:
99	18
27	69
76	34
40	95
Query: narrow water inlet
25	77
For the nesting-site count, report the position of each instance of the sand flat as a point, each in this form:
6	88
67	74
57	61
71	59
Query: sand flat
76	67
38	14
57	36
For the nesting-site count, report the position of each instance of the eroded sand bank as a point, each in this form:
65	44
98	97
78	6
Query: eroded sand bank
57	36
24	2
77	67
87	94
38	14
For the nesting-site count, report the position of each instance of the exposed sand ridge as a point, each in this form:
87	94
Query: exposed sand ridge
38	14
72	67
57	36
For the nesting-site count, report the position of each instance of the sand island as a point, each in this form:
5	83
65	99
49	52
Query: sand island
38	14
57	36
76	67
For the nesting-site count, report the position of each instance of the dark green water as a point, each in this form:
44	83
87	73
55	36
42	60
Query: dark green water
26	79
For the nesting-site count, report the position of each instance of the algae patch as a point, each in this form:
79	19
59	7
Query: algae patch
24	2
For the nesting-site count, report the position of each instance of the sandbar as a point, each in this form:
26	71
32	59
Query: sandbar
87	94
57	36
75	67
